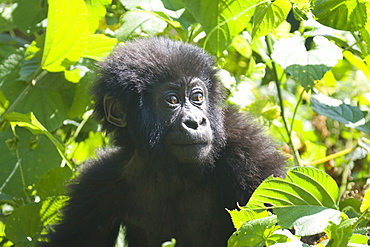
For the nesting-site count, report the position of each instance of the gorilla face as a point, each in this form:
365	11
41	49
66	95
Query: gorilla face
183	108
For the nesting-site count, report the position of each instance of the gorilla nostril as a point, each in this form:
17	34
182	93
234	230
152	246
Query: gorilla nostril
204	121
191	124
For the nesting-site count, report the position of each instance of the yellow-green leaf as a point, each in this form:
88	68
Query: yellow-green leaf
365	205
67	34
99	46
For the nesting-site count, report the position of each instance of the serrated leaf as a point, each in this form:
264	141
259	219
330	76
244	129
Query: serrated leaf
240	216
306	66
50	209
306	200
347	15
259	232
67	33
222	20
351	116
268	16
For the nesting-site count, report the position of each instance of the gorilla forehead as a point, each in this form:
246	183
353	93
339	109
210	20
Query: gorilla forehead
155	60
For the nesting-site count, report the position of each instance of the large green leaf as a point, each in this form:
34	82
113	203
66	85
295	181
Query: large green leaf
306	66
351	116
67	33
341	14
23	225
268	16
222	20
28	13
305	200
50	100
37	155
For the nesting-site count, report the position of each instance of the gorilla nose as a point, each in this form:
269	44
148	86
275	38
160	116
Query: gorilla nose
191	124
194	123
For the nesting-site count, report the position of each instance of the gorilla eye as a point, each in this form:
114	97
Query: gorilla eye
197	97
172	99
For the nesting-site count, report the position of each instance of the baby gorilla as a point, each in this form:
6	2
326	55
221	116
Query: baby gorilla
181	155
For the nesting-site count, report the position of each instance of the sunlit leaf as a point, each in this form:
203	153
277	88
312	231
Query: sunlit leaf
357	62
339	234
222	20
305	200
268	16
365	205
67	34
258	232
341	14
97	11
306	66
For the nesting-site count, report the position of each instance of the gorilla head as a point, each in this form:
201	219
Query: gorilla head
163	101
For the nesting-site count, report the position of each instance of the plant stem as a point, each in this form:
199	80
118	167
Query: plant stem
297	159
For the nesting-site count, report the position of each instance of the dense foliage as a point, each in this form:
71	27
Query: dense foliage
301	67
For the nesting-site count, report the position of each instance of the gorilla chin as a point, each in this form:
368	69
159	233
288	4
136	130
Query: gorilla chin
194	153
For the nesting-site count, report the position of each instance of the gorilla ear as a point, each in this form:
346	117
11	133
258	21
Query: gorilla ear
113	113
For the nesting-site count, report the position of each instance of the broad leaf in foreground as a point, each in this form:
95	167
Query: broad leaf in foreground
305	200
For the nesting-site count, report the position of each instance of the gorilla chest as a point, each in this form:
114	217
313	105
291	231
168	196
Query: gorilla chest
172	207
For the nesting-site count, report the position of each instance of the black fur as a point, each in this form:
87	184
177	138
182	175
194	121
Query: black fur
140	183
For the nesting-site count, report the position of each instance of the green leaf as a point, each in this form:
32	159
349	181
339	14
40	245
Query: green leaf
99	46
339	234
365	205
28	13
358	239
306	219
50	210
222	20
67	34
54	182
30	122
351	116
37	156
347	15
97	11
357	62
240	216
306	200
268	16
23	225
306	66
259	232
82	98
171	243
137	22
